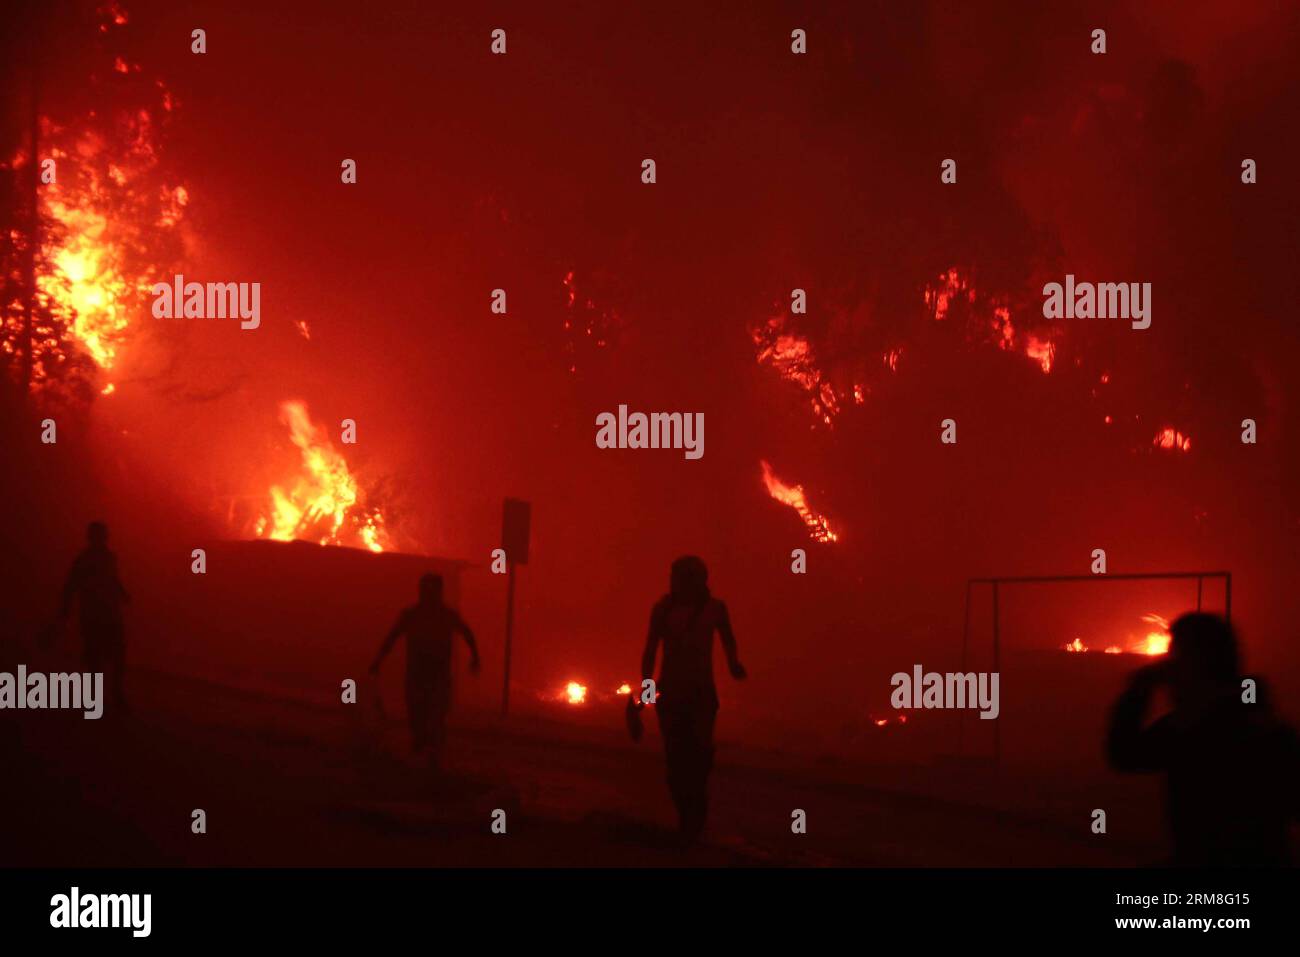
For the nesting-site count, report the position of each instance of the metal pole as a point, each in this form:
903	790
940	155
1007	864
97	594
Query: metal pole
965	646
510	631
997	658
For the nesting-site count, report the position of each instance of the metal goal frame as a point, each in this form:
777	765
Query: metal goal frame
997	583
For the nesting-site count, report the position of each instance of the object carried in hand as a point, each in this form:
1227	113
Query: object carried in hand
633	716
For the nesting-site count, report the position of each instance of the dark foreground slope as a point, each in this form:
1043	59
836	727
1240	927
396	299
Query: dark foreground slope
284	781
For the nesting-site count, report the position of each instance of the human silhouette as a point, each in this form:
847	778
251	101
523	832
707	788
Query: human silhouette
684	622
1232	769
428	626
94	587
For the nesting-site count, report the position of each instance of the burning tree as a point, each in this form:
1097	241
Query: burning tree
837	357
819	529
90	220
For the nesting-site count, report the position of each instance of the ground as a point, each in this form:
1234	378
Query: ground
288	782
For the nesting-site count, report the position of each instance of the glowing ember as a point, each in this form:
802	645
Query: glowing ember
1002	327
114	13
818	528
1041	350
589	322
951	286
575	693
1171	438
985	312
323	505
884	722
1078	646
624	688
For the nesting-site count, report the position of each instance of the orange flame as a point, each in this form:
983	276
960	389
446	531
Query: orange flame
577	694
1042	350
89	283
106	219
952	285
86	282
819	528
884	722
791	355
1171	438
1155	642
324	504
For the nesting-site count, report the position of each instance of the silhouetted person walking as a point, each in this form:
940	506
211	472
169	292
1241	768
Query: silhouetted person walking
684	622
93	585
1232	769
428	626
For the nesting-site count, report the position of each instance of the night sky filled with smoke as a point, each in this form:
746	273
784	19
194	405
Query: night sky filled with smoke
774	172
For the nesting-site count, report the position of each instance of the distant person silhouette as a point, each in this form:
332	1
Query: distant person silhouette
1232	769
428	626
93	585
684	622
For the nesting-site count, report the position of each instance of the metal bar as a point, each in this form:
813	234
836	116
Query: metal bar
997	657
1024	579
965	648
510	631
1035	579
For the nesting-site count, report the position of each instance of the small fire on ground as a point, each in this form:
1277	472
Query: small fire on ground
1154	642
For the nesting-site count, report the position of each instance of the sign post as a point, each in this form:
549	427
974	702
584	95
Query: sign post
515	518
